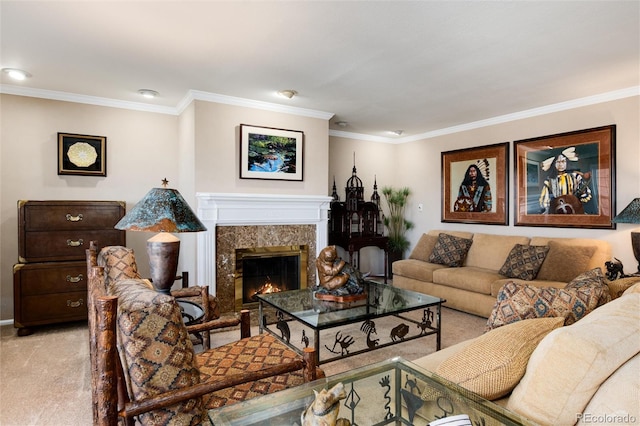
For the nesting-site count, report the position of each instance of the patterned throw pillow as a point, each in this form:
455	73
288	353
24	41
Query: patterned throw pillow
495	362
524	262
516	302
592	278
450	250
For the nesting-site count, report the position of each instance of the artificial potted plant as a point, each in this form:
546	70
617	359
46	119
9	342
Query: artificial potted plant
395	222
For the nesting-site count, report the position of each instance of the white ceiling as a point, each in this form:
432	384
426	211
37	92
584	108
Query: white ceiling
418	66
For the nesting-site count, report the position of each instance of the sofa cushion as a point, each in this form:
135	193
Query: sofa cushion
570	364
424	248
524	262
516	302
155	350
498	246
616	400
633	289
469	278
495	362
619	286
416	269
450	250
564	262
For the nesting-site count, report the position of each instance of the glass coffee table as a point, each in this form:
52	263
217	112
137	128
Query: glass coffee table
394	391
387	316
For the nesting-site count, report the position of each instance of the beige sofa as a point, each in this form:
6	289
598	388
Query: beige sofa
584	373
473	287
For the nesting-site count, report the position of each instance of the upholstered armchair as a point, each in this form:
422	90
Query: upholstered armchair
144	368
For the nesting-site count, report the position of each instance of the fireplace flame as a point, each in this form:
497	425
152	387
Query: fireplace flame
267	288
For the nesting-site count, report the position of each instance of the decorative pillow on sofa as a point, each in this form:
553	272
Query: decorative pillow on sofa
516	302
524	261
564	262
424	248
450	250
589	279
156	352
493	364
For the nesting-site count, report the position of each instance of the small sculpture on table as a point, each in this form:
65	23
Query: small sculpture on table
339	281
324	409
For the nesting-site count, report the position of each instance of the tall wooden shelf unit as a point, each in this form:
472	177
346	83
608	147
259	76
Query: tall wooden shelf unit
50	280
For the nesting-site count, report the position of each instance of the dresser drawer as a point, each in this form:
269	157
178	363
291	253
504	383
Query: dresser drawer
66	245
70	215
50	308
46	278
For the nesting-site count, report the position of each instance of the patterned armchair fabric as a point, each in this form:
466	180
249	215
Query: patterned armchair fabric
155	351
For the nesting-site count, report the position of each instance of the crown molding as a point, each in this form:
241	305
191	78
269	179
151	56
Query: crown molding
250	103
534	112
85	99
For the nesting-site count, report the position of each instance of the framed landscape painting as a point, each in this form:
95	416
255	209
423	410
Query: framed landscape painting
566	180
268	153
475	185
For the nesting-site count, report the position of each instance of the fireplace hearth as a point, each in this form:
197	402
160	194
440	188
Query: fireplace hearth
236	221
272	269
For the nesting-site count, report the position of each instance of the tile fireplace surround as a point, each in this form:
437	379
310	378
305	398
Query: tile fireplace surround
255	220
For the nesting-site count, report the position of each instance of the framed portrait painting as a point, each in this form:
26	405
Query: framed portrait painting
268	153
566	180
475	185
82	155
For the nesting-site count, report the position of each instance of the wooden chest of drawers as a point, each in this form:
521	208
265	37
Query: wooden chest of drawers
49	283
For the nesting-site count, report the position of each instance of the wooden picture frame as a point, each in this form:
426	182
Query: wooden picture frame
588	159
269	153
82	155
464	203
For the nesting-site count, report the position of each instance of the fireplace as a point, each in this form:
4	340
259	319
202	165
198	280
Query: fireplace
237	221
272	269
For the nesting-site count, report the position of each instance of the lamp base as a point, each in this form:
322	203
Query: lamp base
163	250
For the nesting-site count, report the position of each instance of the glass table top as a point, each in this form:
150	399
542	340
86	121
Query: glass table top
394	391
381	300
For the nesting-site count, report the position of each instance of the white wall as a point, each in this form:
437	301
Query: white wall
417	165
197	151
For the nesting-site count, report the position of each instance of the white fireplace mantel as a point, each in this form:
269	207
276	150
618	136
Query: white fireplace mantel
226	209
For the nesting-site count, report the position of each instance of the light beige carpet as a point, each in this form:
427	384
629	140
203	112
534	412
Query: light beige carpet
44	378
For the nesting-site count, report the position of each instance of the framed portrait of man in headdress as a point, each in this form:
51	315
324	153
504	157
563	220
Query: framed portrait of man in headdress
475	185
574	182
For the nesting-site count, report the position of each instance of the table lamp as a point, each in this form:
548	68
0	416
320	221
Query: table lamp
631	214
162	210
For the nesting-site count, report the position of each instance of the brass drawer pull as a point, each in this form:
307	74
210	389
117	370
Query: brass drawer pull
71	218
72	243
74	304
74	279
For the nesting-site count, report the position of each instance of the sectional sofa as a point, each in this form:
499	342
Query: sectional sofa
474	281
554	375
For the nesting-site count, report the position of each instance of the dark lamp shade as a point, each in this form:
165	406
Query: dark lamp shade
161	210
630	214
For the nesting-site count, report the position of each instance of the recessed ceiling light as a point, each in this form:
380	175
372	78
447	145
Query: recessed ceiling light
148	93
16	74
288	93
342	123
